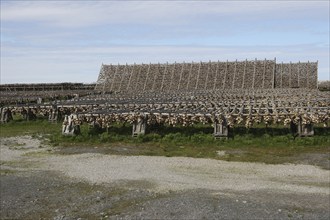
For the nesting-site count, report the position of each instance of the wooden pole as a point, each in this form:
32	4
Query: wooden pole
145	81
172	76
181	75
189	76
235	69
274	72
102	73
199	69
307	75
244	72
114	77
122	77
290	75
263	75
216	75
137	77
130	77
224	80
162	86
207	75
282	75
298	75
155	77
254	73
317	68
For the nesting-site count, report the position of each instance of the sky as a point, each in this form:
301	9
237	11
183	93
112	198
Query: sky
67	41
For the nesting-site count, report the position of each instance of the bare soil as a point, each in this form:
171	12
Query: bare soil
41	182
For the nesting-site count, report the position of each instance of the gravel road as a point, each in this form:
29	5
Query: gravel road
37	182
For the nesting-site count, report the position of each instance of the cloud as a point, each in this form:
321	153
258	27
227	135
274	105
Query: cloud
43	23
72	14
82	64
56	41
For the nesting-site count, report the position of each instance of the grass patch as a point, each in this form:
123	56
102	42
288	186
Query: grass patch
7	171
19	164
34	128
273	144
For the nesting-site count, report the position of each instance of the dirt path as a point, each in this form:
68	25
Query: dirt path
177	176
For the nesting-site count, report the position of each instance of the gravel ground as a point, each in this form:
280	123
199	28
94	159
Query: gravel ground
36	182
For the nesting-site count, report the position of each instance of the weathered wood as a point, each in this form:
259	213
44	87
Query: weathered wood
244	74
302	130
282	75
298	76
147	77
164	74
28	114
274	72
137	83
180	80
216	75
155	77
263	75
221	130
254	73
207	75
235	70
54	115
130	77
307	75
5	115
225	76
172	76
290	75
189	77
139	126
70	127
198	75
114	78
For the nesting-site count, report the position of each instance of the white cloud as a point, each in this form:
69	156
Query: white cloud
82	64
56	41
79	14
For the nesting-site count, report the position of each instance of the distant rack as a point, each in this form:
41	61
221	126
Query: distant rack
255	74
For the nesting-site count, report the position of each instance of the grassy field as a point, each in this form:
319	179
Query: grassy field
259	144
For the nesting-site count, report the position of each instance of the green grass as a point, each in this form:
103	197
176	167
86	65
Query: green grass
274	144
20	127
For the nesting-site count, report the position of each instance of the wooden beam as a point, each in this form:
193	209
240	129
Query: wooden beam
263	75
317	68
162	86
216	75
235	69
254	73
189	76
274	72
181	76
290	72
145	81
155	77
243	83
307	75
122	77
199	69
282	75
172	76
207	75
137	77
114	77
298	77
130	77
224	80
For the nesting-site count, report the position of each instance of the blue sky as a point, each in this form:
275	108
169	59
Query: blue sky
67	41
